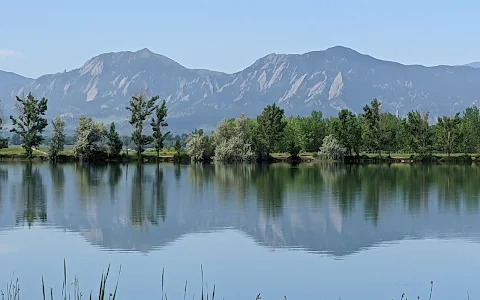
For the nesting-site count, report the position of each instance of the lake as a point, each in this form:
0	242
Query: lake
309	231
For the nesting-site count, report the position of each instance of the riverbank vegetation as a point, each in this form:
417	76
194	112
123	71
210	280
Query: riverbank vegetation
12	291
373	135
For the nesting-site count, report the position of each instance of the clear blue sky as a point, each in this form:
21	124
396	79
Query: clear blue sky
47	36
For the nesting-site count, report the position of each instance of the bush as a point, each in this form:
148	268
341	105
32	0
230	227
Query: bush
181	158
331	149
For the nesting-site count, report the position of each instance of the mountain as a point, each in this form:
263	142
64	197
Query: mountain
326	80
10	82
474	64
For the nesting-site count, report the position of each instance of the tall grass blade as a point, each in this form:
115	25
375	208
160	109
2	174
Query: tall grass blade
431	290
163	274
64	287
185	291
213	293
116	285
43	288
201	268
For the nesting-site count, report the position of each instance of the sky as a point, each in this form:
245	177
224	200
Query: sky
49	36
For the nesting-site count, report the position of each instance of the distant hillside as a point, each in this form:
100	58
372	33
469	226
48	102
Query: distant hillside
326	80
474	64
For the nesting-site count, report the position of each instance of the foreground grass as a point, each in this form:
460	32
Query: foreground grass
12	291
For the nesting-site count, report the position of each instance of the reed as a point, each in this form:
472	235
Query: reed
12	291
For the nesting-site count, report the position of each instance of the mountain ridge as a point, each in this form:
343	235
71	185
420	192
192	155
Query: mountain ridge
326	80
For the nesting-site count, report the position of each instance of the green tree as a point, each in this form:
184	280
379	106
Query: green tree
114	142
421	135
178	146
30	122
90	144
373	133
3	141
231	141
331	149
141	108
271	126
158	122
391	126
314	130
471	127
200	146
57	142
449	134
295	137
348	131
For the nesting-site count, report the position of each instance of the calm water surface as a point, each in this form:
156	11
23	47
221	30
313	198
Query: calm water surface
309	231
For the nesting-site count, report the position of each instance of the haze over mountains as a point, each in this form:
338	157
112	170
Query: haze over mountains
326	80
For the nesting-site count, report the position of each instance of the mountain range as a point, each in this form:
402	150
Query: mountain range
327	80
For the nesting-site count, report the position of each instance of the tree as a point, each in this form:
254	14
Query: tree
470	128
90	144
295	137
348	131
449	134
141	108
231	141
178	146
58	138
271	126
373	134
114	142
390	128
420	132
30	122
331	149
157	124
314	130
199	146
3	141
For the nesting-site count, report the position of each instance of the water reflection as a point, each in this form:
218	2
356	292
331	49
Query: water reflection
30	195
327	208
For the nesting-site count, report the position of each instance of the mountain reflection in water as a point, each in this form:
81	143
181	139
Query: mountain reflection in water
333	209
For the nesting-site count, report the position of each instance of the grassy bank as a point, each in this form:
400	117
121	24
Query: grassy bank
41	154
17	153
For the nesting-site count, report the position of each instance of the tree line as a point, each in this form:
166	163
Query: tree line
245	139
93	141
348	134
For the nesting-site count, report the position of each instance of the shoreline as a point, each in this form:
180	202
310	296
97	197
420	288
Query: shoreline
184	159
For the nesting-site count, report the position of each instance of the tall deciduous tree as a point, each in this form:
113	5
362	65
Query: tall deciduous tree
373	134
3	141
314	129
158	122
470	128
58	138
449	134
141	108
271	126
90	142
347	129
178	146
114	142
420	132
30	122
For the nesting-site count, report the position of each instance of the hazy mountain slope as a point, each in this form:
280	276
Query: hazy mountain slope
9	82
326	80
474	64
